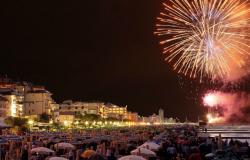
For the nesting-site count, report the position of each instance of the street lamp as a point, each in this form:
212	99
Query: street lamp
77	122
66	123
51	122
30	122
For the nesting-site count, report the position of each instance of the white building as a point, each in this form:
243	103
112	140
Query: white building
81	107
151	119
114	111
26	99
38	101
99	108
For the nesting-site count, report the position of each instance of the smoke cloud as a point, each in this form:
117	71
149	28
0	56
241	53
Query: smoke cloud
234	107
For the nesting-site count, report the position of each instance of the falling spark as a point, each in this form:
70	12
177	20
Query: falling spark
205	38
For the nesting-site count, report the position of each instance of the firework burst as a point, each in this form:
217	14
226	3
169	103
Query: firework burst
205	38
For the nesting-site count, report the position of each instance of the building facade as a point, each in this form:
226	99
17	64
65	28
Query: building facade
97	108
25	99
66	118
15	106
132	116
22	99
38	102
4	107
81	107
153	119
114	111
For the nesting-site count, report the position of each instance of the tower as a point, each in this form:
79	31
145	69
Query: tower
161	115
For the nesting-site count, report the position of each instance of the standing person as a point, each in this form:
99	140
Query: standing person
7	155
108	152
99	149
71	155
112	156
195	155
2	154
24	154
171	151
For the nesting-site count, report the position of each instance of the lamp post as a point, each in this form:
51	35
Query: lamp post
30	122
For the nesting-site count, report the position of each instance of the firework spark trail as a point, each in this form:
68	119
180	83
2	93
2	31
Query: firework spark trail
205	38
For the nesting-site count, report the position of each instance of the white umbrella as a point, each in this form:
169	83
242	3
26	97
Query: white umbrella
209	155
143	152
151	146
57	158
42	150
132	157
64	146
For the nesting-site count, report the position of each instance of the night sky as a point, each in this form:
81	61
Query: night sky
94	50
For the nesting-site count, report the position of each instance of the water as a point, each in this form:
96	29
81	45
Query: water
239	132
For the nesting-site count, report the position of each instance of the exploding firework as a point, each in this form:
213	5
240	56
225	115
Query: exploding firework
211	118
227	107
205	38
210	100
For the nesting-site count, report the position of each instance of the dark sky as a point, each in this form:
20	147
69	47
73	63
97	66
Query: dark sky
93	50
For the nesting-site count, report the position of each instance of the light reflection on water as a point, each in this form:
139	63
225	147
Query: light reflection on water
239	132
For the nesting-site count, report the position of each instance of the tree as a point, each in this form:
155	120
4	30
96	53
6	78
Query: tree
19	123
44	117
79	115
112	119
90	117
127	120
56	126
16	121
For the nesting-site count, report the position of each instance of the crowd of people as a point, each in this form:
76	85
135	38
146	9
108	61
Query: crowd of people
151	142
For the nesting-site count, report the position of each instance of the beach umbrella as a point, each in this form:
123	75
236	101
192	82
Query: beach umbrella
64	146
151	146
143	152
57	158
132	157
42	150
87	153
209	155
